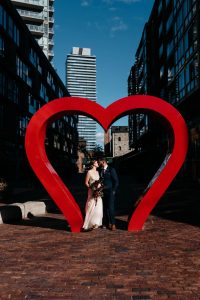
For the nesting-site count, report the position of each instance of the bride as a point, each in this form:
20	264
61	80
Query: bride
94	205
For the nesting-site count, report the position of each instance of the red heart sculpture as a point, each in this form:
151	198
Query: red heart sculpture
35	149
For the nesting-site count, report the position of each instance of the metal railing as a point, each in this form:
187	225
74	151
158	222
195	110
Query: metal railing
51	41
30	14
35	2
35	28
51	30
51	19
51	53
51	8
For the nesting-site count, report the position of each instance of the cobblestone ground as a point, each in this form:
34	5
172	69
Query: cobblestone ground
41	259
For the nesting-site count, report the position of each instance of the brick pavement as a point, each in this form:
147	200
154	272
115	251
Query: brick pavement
41	259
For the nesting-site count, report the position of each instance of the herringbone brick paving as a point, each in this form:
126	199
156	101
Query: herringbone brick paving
41	259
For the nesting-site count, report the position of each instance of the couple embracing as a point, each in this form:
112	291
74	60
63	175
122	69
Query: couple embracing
102	183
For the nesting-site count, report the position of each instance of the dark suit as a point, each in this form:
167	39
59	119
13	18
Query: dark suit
110	182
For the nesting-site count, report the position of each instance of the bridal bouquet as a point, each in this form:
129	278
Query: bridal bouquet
97	189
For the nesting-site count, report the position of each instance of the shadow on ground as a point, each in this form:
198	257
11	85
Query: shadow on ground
180	204
45	222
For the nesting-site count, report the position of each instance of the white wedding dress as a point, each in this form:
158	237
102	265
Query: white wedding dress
94	208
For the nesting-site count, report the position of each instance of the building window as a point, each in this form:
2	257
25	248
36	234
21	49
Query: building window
167	2
119	139
2	17
190	40
160	7
161	71
23	122
161	50
23	71
170	74
50	81
13	91
56	142
1	116
120	148
170	48
2	83
187	79
179	55
33	104
181	81
43	93
9	88
160	29
169	22
2	46
60	93
13	30
34	59
10	26
186	47
179	21
191	75
65	118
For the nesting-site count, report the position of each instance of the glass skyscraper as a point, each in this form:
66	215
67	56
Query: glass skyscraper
167	65
167	60
81	82
27	82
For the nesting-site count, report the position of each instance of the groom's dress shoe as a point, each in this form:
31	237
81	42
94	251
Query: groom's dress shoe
112	227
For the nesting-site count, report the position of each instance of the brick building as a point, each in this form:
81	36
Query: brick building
119	140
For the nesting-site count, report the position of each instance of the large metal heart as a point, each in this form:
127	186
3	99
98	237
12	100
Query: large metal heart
35	149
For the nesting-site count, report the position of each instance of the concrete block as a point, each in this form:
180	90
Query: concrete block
17	211
34	208
10	213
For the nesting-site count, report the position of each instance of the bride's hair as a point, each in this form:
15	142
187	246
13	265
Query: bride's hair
91	164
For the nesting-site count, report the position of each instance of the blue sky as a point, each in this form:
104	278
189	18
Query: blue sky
112	29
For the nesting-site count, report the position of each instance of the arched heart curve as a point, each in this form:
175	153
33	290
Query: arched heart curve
35	149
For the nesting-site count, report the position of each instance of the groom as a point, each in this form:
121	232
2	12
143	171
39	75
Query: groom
110	181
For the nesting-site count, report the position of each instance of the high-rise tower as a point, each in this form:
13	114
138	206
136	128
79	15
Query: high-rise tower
38	16
81	82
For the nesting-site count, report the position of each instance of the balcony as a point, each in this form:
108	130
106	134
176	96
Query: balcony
37	30
51	8
50	53
28	15
51	19
30	3
51	42
51	32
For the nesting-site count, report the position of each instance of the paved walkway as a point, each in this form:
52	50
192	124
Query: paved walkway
41	259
